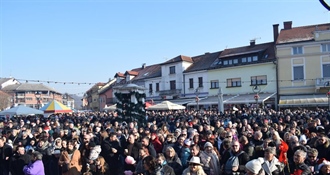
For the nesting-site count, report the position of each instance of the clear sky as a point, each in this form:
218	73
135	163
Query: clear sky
90	40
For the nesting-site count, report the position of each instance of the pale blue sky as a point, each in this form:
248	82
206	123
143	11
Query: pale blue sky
91	40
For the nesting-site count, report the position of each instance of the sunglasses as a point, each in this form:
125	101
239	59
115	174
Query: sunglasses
228	136
193	164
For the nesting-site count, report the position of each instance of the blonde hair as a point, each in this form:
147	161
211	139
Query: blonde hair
104	166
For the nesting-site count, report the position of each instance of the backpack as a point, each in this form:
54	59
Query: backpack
233	160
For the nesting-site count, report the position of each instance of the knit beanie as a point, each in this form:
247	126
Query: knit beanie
208	144
254	166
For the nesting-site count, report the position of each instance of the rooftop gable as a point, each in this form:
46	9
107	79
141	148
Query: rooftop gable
302	33
151	71
202	62
29	87
119	74
134	73
178	59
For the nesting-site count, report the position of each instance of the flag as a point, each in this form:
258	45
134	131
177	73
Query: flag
284	147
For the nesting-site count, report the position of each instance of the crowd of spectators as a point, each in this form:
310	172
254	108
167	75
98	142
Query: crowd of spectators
188	142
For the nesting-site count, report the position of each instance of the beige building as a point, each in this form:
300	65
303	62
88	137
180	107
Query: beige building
303	65
92	96
32	95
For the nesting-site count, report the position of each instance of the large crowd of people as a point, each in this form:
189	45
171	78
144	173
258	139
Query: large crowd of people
187	142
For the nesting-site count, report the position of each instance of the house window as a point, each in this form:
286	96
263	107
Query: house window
249	59
326	70
326	47
172	85
298	72
191	83
230	62
172	70
225	62
259	80
157	87
150	87
297	50
235	61
200	81
214	84
234	82
243	60
255	58
29	99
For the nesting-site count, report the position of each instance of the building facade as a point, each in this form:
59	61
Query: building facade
92	96
303	65
32	95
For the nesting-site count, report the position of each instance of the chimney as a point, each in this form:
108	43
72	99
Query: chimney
252	42
143	65
206	53
287	24
275	31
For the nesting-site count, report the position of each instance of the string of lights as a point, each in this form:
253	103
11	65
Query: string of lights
90	83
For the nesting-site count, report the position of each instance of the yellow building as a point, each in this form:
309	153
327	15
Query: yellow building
303	65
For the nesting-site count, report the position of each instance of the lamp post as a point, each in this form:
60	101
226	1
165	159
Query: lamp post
256	89
38	95
220	101
197	99
328	95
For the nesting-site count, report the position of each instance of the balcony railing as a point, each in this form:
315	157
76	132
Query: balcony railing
322	82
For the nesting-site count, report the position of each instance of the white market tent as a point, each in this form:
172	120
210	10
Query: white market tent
166	105
110	108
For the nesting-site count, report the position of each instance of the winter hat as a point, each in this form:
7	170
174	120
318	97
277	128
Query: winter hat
325	162
187	142
91	144
208	144
130	160
303	138
254	166
178	131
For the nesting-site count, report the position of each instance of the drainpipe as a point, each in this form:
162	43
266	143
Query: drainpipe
277	83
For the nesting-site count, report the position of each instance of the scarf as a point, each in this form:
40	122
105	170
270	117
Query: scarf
71	151
269	167
213	162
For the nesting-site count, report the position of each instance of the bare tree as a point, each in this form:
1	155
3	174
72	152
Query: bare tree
4	100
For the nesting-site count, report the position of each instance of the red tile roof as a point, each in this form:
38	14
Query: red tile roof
178	59
118	74
131	73
303	33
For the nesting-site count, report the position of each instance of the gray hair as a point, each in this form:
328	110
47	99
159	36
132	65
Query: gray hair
301	152
37	155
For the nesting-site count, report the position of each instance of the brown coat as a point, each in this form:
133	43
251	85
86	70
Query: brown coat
75	163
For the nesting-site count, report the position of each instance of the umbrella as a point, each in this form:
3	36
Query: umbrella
56	107
111	108
166	105
21	110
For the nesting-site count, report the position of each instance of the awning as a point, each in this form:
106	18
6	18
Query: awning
303	100
212	100
181	101
249	98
